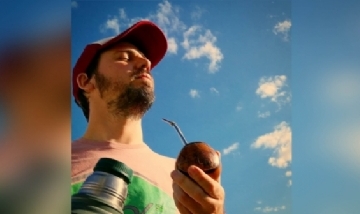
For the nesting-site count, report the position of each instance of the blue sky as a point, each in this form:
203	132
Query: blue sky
325	106
225	80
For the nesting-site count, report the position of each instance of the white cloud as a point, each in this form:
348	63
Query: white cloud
197	13
189	32
288	173
163	12
200	43
172	45
111	24
74	4
233	147
122	14
167	17
194	93
289	183
214	90
280	141
272	87
283	29
268	87
238	107
268	209
264	114
272	16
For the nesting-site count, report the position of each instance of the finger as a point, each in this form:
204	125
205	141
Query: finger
182	209
184	201
209	185
190	187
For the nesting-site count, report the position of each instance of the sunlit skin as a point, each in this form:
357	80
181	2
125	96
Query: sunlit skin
125	64
198	194
120	62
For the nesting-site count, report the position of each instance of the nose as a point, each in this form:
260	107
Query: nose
143	63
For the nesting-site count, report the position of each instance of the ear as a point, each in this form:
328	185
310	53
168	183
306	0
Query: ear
84	83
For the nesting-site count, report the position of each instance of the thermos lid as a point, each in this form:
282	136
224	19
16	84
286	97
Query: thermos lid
114	167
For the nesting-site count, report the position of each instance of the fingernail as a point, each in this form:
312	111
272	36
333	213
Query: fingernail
192	170
175	174
219	153
172	174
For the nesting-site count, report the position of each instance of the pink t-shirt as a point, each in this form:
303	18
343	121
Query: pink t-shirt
151	186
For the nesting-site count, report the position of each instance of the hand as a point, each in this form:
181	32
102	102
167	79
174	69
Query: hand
199	194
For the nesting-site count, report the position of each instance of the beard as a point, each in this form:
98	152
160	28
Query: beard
129	101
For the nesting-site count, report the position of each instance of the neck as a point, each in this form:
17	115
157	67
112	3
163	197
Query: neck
119	130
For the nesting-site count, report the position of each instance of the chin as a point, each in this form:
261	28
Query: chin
145	86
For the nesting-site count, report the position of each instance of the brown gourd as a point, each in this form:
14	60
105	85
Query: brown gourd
197	153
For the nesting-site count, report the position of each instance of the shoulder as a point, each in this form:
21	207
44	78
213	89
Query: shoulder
169	159
166	161
77	148
77	143
82	159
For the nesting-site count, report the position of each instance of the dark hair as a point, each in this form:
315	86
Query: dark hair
82	100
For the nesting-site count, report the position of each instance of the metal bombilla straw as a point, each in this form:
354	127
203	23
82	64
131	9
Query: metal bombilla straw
178	130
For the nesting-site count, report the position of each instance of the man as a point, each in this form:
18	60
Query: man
112	83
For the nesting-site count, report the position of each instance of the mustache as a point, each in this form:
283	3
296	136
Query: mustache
140	71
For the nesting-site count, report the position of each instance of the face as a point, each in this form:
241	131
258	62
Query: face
124	82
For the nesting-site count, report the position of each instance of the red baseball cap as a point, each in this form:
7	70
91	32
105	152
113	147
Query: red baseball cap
144	34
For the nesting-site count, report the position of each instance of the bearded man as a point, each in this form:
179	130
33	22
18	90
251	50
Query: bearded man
113	85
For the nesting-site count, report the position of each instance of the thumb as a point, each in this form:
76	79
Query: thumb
218	179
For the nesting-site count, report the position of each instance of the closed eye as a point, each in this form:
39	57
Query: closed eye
128	55
123	58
